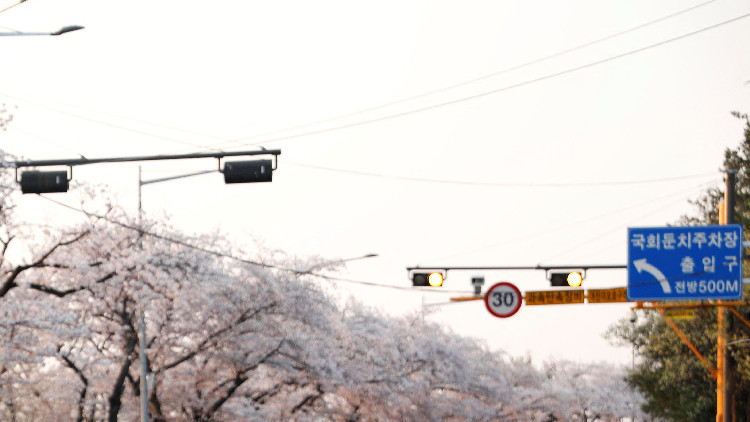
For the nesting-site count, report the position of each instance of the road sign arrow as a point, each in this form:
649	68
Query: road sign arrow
641	265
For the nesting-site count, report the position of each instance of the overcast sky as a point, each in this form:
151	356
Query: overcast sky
473	133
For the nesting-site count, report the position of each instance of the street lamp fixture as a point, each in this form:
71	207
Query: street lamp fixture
369	255
63	30
66	29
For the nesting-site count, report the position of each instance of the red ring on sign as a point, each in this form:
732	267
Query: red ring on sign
515	309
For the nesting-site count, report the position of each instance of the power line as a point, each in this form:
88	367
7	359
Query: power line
236	258
479	78
235	143
44	140
12	5
586	220
498	184
264	265
113	125
498	90
600	235
24	98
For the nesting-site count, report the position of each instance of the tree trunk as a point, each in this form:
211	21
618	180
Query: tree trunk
115	400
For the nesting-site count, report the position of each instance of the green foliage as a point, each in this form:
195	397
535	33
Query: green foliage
677	386
707	205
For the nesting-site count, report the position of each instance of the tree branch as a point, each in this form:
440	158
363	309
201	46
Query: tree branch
10	281
246	315
63	293
115	399
82	396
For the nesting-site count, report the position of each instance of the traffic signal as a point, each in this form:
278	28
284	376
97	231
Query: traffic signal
35	181
248	171
566	279
431	279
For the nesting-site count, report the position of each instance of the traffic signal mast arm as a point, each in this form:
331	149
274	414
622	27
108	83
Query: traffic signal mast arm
572	275
537	267
35	181
83	160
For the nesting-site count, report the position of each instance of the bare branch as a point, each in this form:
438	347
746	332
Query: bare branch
203	345
63	293
82	396
10	281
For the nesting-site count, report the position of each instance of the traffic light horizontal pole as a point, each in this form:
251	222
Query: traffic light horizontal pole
81	161
536	267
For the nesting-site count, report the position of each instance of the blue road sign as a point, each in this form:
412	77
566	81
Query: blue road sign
685	263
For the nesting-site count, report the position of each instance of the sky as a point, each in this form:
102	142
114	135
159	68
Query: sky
432	133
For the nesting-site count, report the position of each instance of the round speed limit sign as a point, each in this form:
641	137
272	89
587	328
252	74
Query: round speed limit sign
503	300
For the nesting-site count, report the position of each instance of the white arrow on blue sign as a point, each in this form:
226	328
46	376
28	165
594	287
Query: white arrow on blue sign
685	263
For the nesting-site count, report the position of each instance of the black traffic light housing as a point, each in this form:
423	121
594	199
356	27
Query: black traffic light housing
254	171
34	181
566	278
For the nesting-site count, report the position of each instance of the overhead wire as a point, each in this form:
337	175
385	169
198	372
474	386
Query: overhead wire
476	79
449	103
494	91
44	140
12	5
110	124
24	98
681	194
500	184
626	224
233	257
247	261
234	143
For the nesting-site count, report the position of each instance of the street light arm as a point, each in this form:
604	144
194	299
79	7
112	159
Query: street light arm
60	31
369	255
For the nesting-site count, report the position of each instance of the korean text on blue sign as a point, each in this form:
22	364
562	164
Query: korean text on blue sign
685	263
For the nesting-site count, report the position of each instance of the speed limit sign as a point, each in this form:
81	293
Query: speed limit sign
503	300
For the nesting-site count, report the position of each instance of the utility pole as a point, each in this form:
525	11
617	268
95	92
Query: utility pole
723	370
142	329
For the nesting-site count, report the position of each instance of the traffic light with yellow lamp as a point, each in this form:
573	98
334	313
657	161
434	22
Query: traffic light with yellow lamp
566	278
427	279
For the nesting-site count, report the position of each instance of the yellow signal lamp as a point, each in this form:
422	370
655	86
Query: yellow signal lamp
575	279
435	279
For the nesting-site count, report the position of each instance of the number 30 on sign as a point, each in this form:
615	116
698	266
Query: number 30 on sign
503	300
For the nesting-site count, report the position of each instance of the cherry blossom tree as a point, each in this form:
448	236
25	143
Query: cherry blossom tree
231	336
5	116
